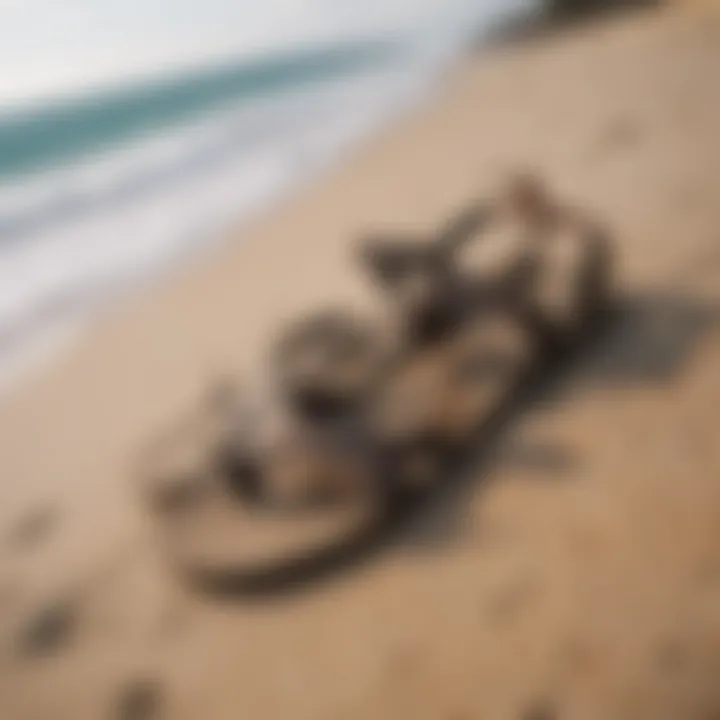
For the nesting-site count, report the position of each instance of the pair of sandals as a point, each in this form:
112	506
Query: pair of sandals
362	425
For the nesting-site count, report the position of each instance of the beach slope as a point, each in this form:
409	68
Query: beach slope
579	576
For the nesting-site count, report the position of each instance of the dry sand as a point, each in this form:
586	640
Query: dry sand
581	579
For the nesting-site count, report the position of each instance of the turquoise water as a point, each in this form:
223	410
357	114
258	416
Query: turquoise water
82	126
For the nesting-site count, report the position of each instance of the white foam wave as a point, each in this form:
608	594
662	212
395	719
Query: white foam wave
84	234
73	238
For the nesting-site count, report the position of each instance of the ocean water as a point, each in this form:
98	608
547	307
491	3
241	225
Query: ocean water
131	140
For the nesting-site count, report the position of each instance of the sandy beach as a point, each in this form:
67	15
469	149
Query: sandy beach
579	577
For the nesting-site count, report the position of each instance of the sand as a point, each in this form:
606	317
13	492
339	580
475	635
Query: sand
579	577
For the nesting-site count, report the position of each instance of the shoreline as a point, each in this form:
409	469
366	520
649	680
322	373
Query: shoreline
285	164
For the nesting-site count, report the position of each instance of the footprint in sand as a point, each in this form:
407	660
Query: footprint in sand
540	711
48	631
33	528
140	700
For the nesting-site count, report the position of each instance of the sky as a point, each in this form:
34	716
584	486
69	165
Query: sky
52	47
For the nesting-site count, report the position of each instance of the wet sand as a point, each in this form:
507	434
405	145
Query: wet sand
576	575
